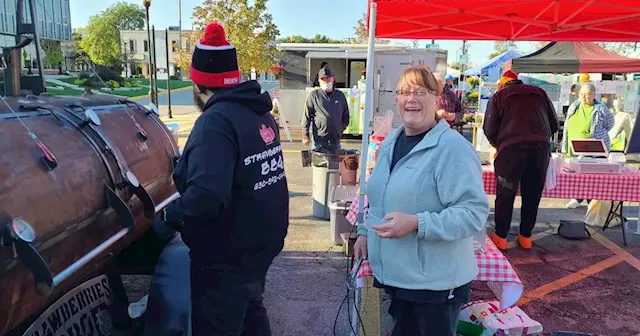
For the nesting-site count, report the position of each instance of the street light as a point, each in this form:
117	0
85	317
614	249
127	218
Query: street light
152	95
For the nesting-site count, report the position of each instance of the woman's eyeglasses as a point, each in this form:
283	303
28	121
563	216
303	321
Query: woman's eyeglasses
418	92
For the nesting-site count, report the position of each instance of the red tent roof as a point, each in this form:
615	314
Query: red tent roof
574	57
526	20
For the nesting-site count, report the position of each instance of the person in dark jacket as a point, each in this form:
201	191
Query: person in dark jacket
519	123
326	115
449	106
233	212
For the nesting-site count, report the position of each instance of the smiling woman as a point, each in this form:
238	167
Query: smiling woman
416	100
426	203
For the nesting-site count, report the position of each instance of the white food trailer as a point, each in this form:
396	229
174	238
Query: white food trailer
302	61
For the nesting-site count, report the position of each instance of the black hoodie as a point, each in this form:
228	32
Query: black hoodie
233	212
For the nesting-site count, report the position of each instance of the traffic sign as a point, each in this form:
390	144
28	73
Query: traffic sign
432	46
463	59
636	76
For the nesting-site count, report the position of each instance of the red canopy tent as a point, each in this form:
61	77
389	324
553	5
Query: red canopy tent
522	20
525	20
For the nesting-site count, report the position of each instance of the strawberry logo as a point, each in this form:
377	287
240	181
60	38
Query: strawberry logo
267	134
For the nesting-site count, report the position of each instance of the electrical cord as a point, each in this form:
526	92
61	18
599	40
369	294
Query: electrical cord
350	264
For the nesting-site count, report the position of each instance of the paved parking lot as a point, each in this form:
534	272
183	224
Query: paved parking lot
587	286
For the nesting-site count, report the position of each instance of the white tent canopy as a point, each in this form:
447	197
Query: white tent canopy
453	72
492	67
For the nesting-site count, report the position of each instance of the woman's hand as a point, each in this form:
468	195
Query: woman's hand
398	225
440	114
360	248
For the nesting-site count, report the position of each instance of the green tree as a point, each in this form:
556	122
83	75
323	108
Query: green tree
52	54
101	37
620	48
248	25
538	45
501	47
318	38
362	35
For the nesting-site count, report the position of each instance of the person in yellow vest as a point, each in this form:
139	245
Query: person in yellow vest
587	118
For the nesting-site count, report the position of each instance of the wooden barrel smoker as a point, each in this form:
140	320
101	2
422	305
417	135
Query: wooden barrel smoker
80	180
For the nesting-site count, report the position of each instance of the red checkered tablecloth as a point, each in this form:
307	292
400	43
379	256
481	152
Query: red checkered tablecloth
352	215
607	187
492	264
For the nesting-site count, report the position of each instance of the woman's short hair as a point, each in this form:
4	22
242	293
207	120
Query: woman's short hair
420	76
592	88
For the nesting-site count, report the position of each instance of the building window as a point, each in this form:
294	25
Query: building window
146	46
174	45
132	46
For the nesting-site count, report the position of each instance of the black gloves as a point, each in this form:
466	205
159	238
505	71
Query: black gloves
162	228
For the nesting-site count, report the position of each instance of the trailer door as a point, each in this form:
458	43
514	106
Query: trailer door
389	67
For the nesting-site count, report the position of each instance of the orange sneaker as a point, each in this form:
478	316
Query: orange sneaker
501	243
524	242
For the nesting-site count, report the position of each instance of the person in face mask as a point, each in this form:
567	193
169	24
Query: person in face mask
233	210
326	115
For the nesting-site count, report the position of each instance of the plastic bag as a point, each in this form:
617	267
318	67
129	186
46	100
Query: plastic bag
597	214
382	125
372	154
509	322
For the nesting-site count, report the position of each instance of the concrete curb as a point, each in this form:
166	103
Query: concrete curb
161	93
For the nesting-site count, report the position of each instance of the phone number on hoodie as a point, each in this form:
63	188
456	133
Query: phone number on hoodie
271	180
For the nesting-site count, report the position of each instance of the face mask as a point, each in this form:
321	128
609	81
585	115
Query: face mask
326	86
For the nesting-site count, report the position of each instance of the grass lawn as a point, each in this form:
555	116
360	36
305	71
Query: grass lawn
64	92
73	92
162	83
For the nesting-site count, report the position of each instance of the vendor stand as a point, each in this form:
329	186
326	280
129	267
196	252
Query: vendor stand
618	188
549	20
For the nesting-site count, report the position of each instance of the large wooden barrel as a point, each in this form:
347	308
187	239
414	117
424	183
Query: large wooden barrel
79	170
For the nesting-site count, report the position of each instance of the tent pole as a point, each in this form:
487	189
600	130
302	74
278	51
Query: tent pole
368	107
368	113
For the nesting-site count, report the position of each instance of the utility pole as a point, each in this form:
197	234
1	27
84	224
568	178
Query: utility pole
155	64
168	74
179	37
464	52
462	67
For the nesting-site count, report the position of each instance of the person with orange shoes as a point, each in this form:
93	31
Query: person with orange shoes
519	123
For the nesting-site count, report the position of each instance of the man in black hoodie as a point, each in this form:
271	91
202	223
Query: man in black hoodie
233	212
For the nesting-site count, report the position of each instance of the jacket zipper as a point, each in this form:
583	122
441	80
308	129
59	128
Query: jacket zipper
385	187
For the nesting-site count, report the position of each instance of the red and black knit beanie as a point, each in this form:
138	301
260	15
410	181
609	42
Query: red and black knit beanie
214	62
